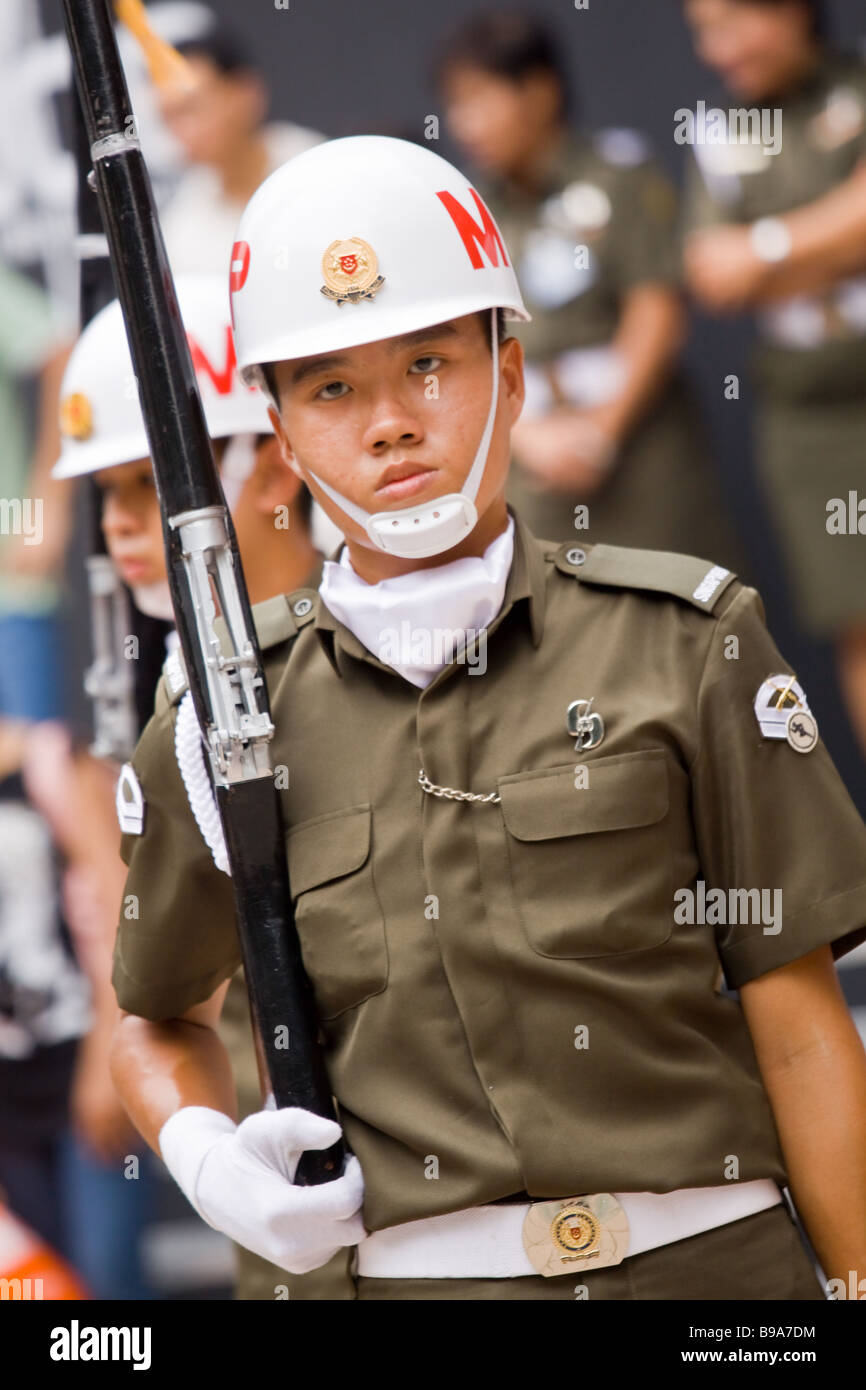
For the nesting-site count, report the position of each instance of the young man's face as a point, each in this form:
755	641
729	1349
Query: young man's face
496	122
755	48
216	113
397	422
131	522
131	519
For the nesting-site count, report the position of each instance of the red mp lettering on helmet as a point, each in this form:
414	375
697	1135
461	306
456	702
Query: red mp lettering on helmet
474	236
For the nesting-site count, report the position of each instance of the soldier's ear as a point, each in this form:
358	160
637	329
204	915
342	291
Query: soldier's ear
275	484
283	441
513	384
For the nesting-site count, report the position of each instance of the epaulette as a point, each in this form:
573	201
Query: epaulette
698	582
276	620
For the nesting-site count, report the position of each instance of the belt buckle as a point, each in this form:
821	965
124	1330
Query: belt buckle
574	1234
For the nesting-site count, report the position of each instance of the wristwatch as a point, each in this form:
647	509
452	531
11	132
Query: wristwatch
771	239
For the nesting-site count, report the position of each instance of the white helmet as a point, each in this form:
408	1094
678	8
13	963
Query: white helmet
101	424
361	239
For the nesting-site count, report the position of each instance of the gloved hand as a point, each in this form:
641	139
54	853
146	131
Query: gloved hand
239	1178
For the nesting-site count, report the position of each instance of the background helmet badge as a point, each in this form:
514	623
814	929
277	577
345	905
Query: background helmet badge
76	416
351	271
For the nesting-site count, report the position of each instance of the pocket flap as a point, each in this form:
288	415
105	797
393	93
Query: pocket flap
328	847
626	789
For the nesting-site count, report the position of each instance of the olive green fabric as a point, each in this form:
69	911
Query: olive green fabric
807	456
621	212
458	951
811	405
662	492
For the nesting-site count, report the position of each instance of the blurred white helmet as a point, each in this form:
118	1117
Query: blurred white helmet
101	424
362	239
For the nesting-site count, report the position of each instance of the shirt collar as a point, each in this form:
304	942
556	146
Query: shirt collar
524	591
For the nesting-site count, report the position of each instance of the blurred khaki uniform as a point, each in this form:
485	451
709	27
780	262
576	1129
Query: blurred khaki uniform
603	226
455	948
810	365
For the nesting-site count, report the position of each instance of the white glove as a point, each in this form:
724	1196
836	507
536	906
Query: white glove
240	1177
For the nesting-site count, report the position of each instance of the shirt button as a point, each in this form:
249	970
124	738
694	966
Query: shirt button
302	607
575	556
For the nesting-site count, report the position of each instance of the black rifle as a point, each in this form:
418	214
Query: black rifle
228	690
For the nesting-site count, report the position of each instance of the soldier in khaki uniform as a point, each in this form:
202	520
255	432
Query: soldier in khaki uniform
776	221
520	867
609	444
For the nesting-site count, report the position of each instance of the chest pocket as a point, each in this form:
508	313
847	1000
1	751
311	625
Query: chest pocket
592	867
339	918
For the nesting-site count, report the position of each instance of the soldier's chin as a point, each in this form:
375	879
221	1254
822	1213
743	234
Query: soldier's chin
154	600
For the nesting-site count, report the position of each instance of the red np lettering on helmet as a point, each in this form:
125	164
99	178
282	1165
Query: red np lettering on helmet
486	236
222	379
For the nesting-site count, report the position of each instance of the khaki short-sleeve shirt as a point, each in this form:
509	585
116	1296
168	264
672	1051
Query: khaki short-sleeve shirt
511	996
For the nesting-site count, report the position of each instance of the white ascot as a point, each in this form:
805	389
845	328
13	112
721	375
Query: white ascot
420	622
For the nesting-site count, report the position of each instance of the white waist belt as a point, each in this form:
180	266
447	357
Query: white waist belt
491	1242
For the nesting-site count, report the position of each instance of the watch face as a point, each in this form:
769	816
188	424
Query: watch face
771	239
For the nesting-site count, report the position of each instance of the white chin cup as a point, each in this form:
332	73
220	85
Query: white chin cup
154	600
428	529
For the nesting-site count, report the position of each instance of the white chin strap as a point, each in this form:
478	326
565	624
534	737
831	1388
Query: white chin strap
436	526
238	462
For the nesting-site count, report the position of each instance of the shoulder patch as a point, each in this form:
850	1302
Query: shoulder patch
686	577
129	801
279	618
622	146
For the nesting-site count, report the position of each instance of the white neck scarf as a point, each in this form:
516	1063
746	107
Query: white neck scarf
419	622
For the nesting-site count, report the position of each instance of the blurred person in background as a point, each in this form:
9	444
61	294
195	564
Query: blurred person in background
34	512
781	231
58	1105
104	437
219	123
44	994
608	422
56	1099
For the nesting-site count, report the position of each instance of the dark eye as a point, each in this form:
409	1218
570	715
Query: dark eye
426	364
329	393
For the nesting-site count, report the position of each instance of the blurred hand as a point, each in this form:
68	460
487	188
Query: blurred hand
722	270
568	450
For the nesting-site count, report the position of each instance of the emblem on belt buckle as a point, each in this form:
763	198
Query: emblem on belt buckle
576	1234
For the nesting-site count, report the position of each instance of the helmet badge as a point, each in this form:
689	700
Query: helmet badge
351	271
76	416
